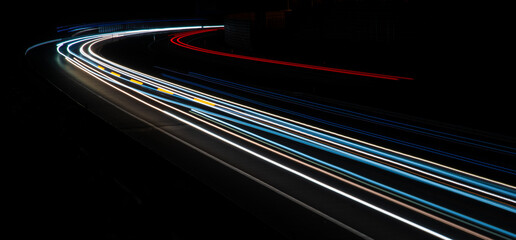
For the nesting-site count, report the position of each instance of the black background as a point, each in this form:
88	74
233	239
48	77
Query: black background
65	181
72	175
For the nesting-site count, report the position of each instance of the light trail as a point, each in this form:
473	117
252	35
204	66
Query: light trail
357	115
178	37
234	122
377	152
354	139
304	176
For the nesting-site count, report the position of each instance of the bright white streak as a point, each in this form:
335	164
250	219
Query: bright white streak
332	133
156	81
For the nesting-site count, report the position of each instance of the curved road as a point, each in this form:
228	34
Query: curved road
335	180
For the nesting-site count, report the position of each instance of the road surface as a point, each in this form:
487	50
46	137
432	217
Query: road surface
333	172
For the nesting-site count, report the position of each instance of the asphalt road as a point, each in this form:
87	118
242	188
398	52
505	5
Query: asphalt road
326	200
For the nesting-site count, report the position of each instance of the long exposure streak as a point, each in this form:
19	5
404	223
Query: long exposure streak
312	154
177	39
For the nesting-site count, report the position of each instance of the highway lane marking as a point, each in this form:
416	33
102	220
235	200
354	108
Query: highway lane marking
195	99
204	102
165	91
137	82
116	74
140	83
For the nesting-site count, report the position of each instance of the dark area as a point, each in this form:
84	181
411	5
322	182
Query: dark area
459	100
71	175
79	177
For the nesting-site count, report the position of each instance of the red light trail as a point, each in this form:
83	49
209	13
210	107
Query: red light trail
177	40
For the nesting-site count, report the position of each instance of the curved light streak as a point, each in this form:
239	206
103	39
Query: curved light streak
145	88
177	40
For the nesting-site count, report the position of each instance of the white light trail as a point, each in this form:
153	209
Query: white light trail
106	71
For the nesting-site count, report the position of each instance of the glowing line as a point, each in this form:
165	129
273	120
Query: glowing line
463	185
204	102
165	91
397	158
362	202
317	182
243	107
40	44
452	174
177	40
137	82
360	178
356	115
213	104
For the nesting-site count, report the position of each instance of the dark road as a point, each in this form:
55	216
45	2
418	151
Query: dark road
294	144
